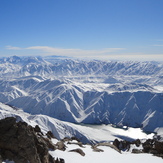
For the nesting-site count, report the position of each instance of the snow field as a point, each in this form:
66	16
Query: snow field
109	155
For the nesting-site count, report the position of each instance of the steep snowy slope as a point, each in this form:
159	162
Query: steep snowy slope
62	129
135	105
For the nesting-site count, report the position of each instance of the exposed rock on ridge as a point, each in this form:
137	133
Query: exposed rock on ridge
152	146
21	143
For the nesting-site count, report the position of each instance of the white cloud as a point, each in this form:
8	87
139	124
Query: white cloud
106	54
13	48
68	52
74	52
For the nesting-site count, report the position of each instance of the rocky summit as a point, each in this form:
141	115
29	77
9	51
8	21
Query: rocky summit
22	143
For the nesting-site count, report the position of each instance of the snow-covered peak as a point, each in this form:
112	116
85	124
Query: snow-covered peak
13	59
22	60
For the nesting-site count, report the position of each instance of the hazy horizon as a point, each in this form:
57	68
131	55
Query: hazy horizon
89	29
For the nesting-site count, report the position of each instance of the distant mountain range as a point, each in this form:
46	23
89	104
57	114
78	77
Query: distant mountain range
25	66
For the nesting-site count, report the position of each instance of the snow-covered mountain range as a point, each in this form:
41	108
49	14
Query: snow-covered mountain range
126	93
25	66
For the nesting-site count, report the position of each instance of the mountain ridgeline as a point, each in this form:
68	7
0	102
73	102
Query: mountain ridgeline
90	92
25	66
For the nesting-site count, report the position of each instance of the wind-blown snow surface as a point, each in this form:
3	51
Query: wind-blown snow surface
91	92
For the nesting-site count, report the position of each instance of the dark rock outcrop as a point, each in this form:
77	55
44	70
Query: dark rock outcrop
116	143
37	129
148	146
78	150
60	146
137	142
137	151
21	143
76	143
159	147
152	146
95	149
122	145
106	144
125	145
50	135
59	160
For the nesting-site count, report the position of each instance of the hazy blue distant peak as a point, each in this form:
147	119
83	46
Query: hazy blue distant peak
12	59
21	60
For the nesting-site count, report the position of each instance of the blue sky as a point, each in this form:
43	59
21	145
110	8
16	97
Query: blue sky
103	29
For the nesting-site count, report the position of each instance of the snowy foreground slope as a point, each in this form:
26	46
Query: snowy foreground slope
109	155
65	129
